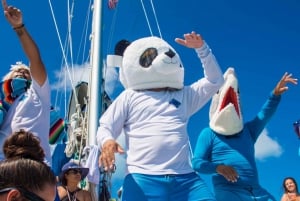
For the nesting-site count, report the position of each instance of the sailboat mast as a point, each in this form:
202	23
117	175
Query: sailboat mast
96	77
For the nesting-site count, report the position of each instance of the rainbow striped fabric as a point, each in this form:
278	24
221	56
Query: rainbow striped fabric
12	89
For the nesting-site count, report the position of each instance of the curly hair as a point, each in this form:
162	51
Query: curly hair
22	144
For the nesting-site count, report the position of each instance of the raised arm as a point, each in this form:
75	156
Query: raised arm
15	19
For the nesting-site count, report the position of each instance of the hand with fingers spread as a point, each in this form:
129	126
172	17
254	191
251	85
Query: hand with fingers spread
191	40
281	85
107	157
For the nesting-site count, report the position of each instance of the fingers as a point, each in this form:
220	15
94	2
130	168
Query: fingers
192	36
180	41
281	85
4	4
191	40
120	150
289	78
107	157
228	172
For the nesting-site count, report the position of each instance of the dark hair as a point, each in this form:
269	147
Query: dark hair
24	167
22	144
121	46
26	173
284	187
63	180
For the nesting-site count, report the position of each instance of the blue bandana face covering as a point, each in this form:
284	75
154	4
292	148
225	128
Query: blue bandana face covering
10	90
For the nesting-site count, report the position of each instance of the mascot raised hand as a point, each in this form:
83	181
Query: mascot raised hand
225	149
153	112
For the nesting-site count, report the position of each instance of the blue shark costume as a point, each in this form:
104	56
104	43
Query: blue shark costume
228	141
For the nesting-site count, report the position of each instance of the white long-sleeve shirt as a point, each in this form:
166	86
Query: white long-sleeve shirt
155	123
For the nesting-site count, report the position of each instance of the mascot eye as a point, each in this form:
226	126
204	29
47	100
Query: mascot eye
147	57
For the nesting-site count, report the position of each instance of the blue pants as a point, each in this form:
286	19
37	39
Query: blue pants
184	187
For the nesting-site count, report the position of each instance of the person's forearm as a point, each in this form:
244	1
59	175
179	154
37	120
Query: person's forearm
31	50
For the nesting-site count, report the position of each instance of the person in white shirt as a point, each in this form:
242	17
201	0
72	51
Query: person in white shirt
26	98
153	112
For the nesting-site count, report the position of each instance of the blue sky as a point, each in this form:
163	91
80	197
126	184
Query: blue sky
260	39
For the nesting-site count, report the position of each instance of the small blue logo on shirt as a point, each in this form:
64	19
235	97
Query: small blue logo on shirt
175	102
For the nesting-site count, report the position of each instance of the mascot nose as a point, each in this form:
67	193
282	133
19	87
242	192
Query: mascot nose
170	53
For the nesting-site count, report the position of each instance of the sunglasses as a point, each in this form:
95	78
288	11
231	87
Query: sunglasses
25	193
75	171
5	190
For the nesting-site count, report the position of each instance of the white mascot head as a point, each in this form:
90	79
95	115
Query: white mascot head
149	63
225	113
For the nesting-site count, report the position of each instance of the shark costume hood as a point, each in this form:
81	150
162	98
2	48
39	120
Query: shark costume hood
147	63
225	112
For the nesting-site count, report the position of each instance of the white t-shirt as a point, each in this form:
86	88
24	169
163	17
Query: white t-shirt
155	123
31	112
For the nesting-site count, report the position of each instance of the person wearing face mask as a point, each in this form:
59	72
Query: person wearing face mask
25	90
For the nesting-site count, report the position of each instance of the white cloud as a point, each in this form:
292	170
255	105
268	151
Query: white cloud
71	75
266	147
78	73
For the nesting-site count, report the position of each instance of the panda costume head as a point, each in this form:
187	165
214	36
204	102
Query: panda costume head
149	63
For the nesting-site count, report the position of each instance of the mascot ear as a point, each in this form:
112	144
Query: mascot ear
116	59
121	46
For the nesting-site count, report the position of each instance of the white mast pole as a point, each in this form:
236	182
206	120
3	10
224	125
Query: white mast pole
95	83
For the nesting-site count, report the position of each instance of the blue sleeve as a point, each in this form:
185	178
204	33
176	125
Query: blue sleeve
257	125
203	152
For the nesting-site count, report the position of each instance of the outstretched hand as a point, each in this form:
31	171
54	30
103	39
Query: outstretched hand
107	157
281	85
191	40
12	14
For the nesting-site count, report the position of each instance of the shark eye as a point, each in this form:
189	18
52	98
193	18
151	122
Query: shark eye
147	57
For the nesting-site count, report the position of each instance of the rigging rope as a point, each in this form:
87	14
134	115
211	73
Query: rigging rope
70	16
77	129
143	6
155	17
153	9
60	43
